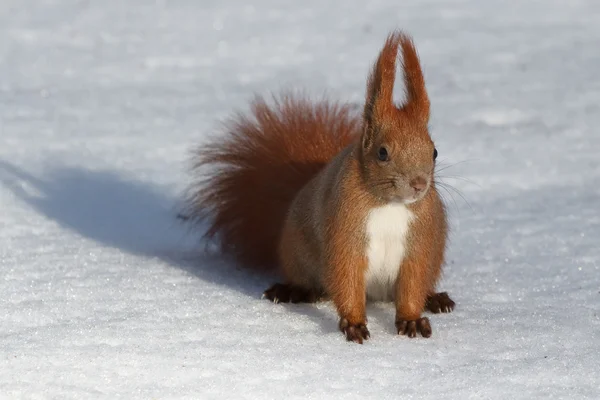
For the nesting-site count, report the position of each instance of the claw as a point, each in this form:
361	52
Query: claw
356	333
439	303
410	328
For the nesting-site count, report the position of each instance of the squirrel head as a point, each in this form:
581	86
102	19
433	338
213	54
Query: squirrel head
397	155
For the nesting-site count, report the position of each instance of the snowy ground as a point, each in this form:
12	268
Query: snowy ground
104	295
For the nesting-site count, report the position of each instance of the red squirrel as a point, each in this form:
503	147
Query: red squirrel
343	206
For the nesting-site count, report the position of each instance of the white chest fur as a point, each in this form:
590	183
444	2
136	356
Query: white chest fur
387	230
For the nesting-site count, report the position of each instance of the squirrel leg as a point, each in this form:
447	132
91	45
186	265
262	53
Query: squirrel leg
349	296
411	295
300	285
438	302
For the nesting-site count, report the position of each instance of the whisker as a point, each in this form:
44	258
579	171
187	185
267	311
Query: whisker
455	164
443	184
459	178
382	182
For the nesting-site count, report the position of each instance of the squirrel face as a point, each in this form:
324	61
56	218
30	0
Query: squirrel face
398	160
397	154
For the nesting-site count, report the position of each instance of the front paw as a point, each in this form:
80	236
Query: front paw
354	332
411	327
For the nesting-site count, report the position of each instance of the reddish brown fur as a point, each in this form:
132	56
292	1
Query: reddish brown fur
380	86
417	104
296	185
262	161
421	267
346	260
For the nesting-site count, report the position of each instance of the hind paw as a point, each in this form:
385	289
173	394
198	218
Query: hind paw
439	303
287	293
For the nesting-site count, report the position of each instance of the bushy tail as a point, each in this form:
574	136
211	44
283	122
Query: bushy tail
247	177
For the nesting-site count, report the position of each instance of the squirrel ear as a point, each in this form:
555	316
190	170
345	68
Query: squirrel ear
417	101
380	88
380	85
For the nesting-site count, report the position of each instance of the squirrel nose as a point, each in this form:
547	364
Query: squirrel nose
419	184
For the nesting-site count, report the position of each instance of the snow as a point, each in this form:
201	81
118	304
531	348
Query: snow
104	294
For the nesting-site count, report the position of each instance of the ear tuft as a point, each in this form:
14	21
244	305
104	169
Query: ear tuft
417	102
380	85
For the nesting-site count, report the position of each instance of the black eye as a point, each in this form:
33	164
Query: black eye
434	154
382	154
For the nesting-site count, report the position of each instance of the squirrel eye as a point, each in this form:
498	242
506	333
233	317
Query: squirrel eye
382	154
434	154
